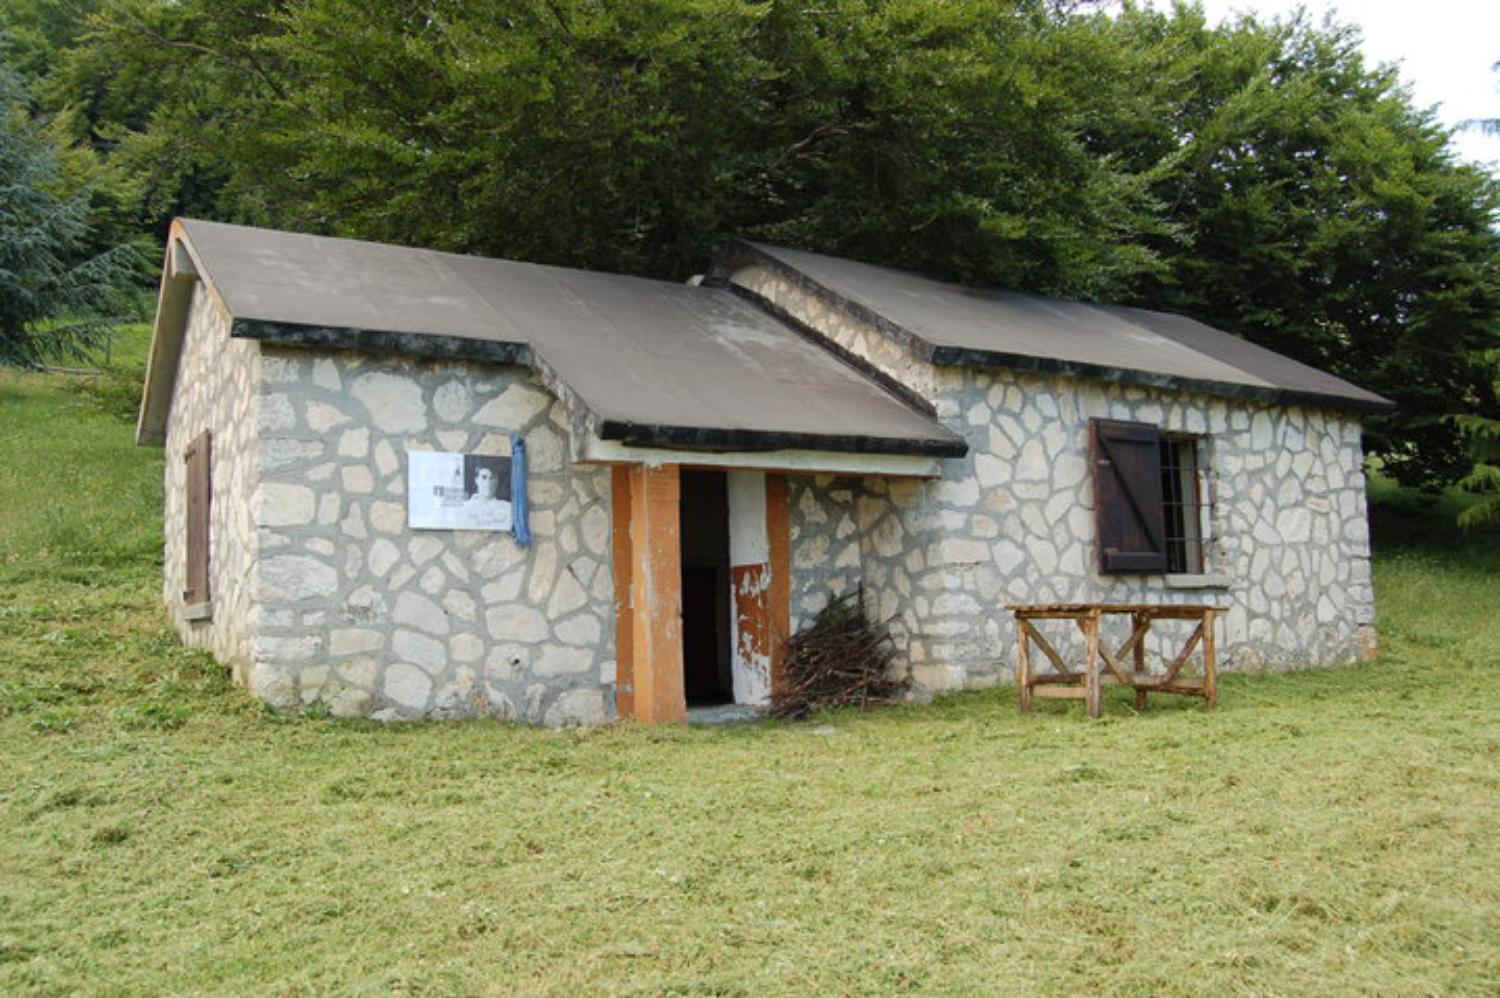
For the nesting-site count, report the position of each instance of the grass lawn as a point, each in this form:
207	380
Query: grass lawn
1333	830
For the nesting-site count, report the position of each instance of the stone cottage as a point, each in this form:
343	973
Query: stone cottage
704	464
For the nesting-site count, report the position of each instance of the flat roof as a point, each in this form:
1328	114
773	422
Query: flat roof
952	324
653	363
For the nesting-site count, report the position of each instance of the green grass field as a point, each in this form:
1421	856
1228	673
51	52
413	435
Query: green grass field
1324	831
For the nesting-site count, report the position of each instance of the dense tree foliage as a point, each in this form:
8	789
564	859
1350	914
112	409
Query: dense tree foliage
1261	177
57	299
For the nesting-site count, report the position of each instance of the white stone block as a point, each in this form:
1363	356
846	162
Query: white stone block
513	408
388	517
1294	525
1261	431
419	648
582	629
275	414
416	610
275	685
386	461
354	640
556	660
328	509
581	707
1032	465
507	663
568	595
958	551
960	492
298	648
452	402
407	685
394	402
325	374
594	526
465	648
280	504
322	417
383	556
355	443
424	548
357	479
292	578
516	622
460	605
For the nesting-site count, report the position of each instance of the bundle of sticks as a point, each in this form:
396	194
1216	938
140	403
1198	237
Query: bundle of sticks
839	660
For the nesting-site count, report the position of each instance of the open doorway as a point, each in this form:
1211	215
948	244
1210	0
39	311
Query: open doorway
706	663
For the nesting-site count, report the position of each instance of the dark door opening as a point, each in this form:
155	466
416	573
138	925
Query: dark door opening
707	677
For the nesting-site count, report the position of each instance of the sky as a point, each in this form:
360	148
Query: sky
1445	50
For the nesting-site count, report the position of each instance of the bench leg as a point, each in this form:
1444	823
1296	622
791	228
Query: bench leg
1091	663
1138	654
1210	665
1023	665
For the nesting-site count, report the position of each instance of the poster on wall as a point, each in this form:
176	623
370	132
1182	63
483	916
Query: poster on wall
449	491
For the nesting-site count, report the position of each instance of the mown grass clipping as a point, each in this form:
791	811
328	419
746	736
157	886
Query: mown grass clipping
1324	831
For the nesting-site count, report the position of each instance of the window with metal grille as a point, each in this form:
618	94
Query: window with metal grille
1182	503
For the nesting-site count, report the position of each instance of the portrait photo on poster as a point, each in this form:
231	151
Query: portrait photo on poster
451	491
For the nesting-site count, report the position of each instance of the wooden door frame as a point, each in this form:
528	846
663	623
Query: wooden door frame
646	550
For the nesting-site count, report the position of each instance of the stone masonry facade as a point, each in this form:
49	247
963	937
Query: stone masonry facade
217	387
321	593
424	623
1287	546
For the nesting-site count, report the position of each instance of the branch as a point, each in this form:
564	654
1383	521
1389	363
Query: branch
254	69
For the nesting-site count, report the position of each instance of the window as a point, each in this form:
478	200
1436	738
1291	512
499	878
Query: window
1148	499
198	458
1181	503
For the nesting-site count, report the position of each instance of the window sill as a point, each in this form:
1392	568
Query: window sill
199	611
1204	580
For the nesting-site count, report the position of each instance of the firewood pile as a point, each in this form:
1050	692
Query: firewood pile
839	660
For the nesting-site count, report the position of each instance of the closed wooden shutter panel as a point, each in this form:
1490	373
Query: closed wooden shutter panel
199	498
1127	496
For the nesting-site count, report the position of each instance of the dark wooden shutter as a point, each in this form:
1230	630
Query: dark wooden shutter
1127	496
199	460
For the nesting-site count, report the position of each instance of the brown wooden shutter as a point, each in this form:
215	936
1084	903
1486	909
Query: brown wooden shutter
1127	496
199	460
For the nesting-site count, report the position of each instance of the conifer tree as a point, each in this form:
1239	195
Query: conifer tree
57	302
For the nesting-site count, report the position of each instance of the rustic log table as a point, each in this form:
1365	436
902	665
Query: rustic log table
1067	683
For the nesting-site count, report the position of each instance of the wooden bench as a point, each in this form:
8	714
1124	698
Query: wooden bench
1068	683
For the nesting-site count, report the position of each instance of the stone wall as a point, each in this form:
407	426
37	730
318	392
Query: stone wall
215	391
1014	523
355	609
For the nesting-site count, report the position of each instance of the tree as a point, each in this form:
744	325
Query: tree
1258	176
55	302
1483	436
1321	214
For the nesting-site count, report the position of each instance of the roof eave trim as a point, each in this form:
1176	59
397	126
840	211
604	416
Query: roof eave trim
429	345
969	357
180	270
756	441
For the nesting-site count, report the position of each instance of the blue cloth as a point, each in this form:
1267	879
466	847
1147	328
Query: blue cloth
519	508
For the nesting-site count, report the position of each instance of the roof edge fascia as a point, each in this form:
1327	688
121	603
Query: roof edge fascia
719	439
1084	371
591	449
181	267
433	346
